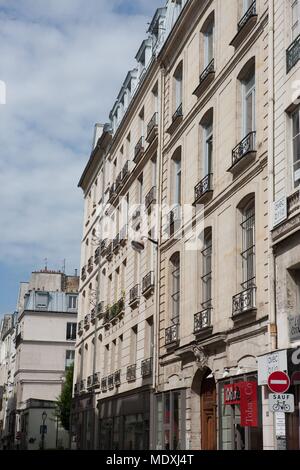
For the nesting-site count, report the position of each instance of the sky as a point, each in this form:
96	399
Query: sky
63	63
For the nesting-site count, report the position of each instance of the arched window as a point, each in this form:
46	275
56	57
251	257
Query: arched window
295	6
175	287
176	177
207	139
178	77
248	244
207	269
208	39
247	80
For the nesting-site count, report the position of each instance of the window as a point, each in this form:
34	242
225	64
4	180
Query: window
71	331
208	44
72	302
246	5
175	287
149	338
207	270
248	245
295	19
176	163
178	87
133	345
120	349
296	147
170	420
41	300
249	103
140	189
70	356
142	122
208	148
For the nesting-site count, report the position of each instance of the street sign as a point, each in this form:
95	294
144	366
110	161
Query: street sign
278	382
281	402
269	363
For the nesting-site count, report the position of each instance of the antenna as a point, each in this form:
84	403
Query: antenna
46	264
64	266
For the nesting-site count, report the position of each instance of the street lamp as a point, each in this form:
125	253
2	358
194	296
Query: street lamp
139	245
44	417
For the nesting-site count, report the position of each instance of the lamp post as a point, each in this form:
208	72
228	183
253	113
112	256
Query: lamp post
44	417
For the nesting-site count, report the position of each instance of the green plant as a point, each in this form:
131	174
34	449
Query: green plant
63	403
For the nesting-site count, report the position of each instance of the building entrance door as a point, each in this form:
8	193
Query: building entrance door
208	415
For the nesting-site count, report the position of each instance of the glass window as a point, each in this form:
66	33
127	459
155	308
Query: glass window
41	300
175	286
249	104
72	302
208	148
207	270
170	420
209	44
295	19
246	5
71	331
178	87
70	356
248	244
296	147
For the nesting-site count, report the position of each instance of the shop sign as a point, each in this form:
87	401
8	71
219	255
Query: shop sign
249	414
294	327
270	363
232	393
245	395
281	402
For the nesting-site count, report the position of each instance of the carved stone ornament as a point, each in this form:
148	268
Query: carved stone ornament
200	356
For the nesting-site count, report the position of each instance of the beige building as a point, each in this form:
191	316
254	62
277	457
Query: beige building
177	302
45	340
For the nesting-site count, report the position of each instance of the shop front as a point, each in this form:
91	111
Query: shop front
170	422
124	422
240	416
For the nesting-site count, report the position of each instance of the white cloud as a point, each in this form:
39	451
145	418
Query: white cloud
63	63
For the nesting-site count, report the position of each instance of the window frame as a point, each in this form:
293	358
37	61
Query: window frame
295	137
247	254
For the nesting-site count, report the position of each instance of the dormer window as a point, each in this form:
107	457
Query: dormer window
41	300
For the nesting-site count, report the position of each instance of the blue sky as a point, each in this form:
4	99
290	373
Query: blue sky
63	63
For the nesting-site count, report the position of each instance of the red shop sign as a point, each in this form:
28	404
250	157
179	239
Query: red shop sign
232	393
249	414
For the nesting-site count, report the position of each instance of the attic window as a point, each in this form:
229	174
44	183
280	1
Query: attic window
41	300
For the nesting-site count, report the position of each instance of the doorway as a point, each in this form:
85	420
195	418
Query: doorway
208	400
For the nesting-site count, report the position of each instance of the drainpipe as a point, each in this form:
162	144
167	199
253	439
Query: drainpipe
271	259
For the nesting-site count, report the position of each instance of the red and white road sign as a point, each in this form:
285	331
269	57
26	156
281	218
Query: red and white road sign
279	382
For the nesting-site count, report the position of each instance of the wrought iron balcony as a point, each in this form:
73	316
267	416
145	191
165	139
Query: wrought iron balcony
204	187
206	77
125	171
172	334
245	147
146	367
152	128
90	264
96	380
116	243
109	251
89	382
87	321
117	378
178	113
136	216
174	219
123	235
83	273
104	384
148	284
82	385
202	320
150	198
131	373
245	25
244	301
293	54
103	246
119	182
100	309
134	296
116	309
97	256
110	381
138	149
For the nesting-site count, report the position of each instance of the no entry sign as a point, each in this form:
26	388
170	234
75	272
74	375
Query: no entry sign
278	382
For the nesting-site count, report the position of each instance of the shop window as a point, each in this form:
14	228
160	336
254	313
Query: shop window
170	420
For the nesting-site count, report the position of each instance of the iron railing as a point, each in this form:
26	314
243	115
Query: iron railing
110	381
104	384
202	320
247	145
152	125
117	378
150	197
139	148
178	113
244	301
204	186
96	379
131	372
134	294
148	282
146	367
125	170
172	334
89	381
97	255
209	69
249	13
293	54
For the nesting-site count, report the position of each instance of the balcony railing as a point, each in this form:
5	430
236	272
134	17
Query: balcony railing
87	321
134	295
210	69
203	187
97	256
174	219
293	54
83	273
82	385
172	334
117	378
96	379
100	309
103	246
131	373
244	301
293	203
116	243
110	381
202	320
178	113
104	384
125	170
148	283
246	146
249	13
116	309
89	381
150	198
109	252
152	127
90	264
138	149
118	182
146	367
